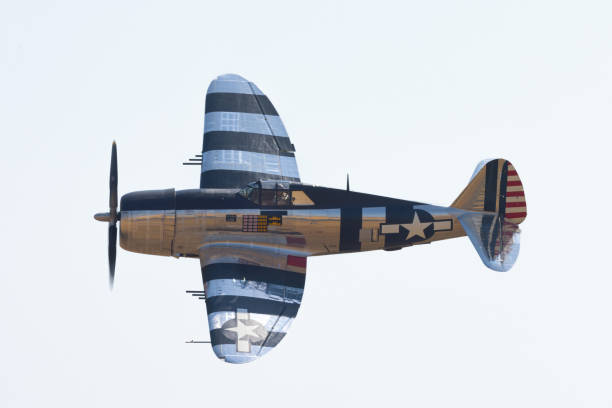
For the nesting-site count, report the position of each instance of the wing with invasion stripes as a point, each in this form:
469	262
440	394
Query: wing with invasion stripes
253	293
244	138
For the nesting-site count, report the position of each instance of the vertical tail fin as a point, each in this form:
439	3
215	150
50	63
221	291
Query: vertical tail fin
495	204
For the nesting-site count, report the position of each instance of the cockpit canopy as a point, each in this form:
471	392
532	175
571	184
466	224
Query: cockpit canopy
275	193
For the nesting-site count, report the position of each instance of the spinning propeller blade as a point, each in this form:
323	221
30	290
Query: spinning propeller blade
112	201
112	252
112	216
112	227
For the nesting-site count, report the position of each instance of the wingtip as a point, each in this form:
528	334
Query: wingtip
231	77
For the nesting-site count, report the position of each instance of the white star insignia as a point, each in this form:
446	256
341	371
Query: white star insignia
242	330
416	228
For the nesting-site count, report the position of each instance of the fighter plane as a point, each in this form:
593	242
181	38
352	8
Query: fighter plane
253	224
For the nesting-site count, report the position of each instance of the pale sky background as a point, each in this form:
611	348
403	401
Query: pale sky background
408	97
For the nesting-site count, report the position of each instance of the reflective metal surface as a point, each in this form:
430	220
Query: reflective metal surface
253	248
310	232
238	160
252	224
314	232
369	235
254	123
147	232
104	217
496	241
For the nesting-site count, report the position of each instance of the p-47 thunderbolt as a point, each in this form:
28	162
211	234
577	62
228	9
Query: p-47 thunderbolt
252	222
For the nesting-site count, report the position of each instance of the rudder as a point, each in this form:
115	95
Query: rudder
495	187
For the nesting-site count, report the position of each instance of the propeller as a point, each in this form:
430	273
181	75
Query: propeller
112	216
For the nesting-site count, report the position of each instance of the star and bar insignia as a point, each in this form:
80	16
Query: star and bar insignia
422	226
244	331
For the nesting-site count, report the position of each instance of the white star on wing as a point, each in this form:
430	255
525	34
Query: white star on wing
242	330
416	228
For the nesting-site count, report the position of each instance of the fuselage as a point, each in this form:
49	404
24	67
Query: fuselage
307	220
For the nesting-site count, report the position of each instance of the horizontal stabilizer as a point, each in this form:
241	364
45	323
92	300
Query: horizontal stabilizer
496	240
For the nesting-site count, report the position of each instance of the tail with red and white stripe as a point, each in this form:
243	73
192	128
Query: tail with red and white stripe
516	206
495	204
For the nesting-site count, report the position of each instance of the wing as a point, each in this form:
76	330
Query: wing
244	138
253	293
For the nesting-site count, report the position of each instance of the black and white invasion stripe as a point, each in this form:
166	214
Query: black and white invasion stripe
264	299
244	138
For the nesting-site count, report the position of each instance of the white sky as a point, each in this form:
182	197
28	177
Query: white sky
407	98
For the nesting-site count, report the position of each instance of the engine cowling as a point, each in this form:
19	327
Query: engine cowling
148	221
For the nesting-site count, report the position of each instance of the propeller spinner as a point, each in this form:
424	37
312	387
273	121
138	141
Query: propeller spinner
112	217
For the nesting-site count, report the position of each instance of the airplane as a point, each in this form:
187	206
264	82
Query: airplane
252	223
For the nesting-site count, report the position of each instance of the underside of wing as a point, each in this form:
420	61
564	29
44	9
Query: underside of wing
250	304
244	138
